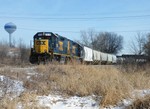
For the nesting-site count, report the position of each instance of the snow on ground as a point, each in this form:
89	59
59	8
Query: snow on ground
9	86
53	101
30	71
129	101
59	102
89	102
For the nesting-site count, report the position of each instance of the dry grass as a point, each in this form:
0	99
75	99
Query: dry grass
26	100
106	81
8	104
84	80
13	74
141	103
110	82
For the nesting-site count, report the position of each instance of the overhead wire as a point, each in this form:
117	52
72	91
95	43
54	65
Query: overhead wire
145	30
129	25
78	18
81	14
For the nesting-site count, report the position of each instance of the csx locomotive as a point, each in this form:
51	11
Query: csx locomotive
49	46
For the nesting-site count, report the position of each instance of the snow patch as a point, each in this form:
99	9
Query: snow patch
127	102
59	102
1	78
89	102
9	86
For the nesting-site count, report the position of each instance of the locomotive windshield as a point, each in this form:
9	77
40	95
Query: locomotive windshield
42	37
47	36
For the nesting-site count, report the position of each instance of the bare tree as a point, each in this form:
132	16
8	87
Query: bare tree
87	38
108	42
137	45
13	43
4	49
24	52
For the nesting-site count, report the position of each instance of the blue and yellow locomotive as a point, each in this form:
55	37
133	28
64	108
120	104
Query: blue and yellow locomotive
49	46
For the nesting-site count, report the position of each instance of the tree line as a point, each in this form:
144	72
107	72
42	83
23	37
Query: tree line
110	42
16	55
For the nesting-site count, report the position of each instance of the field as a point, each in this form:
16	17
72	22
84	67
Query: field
106	85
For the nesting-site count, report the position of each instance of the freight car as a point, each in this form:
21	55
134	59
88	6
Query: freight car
91	56
49	46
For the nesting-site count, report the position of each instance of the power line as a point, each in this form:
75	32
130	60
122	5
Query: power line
78	18
81	14
91	26
32	29
28	27
124	31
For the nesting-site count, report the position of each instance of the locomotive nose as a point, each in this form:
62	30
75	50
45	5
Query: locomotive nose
41	46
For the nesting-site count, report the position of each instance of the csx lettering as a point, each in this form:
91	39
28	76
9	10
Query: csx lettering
40	43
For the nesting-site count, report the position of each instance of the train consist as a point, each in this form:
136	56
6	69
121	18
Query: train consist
49	46
97	57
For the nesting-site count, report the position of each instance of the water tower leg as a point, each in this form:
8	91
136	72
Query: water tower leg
10	40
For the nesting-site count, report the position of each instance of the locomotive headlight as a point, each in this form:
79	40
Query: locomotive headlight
47	34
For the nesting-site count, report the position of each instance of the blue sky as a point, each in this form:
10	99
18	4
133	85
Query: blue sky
69	17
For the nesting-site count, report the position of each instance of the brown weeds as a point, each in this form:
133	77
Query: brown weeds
108	82
84	80
141	103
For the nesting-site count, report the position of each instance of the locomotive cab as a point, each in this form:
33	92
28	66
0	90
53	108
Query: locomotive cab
44	43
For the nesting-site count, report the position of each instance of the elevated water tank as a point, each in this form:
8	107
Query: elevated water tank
10	28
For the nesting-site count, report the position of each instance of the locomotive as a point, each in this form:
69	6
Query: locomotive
49	46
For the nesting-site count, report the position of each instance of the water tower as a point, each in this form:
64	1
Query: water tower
10	28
